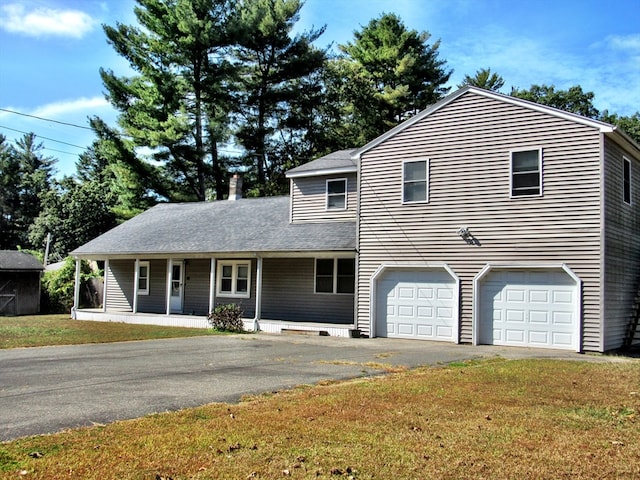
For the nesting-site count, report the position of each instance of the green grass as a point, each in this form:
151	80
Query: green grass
40	330
497	419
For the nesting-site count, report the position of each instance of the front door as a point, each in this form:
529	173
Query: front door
177	287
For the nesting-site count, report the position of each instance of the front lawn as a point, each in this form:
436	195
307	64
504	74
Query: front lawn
497	419
40	330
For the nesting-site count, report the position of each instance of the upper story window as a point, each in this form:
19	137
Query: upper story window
626	180
415	181
234	279
526	173
337	194
143	278
335	275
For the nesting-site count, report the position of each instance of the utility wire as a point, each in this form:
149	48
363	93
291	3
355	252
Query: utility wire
45	119
44	138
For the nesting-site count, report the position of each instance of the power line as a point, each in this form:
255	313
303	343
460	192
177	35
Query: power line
44	138
45	119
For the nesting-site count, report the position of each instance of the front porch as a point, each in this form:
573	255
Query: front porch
200	321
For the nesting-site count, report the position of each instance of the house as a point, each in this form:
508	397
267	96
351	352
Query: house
484	219
19	283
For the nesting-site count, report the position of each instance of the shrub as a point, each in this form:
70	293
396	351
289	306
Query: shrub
58	286
227	318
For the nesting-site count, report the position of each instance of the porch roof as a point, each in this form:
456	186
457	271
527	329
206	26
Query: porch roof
247	225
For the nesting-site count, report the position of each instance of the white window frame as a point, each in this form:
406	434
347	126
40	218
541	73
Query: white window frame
427	163
147	278
626	166
234	264
540	172
334	290
329	195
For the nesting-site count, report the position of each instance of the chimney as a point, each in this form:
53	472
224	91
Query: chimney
235	187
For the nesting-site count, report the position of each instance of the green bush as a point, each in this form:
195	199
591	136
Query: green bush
57	286
227	318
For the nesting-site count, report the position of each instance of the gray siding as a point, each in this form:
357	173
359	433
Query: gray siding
622	246
288	294
309	199
120	285
156	301
196	288
467	143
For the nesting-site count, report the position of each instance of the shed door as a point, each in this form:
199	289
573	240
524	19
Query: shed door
417	304
529	308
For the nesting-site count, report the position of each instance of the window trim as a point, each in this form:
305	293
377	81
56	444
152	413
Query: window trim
144	263
626	182
540	171
334	276
234	264
427	162
328	195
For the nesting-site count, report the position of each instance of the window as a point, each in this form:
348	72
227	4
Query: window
526	173
415	181
234	279
626	180
335	275
337	194
143	278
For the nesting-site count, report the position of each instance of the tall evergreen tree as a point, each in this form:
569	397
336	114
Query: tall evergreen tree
175	104
35	181
275	67
9	195
401	69
484	78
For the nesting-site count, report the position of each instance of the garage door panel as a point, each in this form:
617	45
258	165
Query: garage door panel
418	304
528	308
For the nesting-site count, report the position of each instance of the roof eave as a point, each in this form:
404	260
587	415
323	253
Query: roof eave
321	172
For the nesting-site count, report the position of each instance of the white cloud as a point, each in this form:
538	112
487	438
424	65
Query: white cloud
620	42
78	105
14	18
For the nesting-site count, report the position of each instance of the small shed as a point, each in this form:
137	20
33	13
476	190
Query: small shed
20	275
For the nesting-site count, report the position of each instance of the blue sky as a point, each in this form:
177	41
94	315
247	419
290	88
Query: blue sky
51	51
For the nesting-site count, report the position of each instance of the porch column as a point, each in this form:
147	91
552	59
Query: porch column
76	290
104	285
136	281
169	280
256	325
212	285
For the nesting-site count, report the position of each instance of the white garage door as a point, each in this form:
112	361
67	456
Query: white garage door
528	308
416	304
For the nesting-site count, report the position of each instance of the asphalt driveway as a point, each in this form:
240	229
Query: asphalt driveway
48	389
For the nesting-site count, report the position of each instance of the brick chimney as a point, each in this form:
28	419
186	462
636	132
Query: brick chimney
235	187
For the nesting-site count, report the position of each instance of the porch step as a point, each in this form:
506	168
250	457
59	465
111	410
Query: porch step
295	331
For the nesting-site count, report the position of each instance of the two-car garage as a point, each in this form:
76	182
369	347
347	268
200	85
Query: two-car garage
527	307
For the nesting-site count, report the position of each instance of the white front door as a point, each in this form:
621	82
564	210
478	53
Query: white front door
177	287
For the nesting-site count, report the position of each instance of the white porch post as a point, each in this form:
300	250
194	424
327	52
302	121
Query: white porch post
104	285
212	285
256	319
76	290
169	280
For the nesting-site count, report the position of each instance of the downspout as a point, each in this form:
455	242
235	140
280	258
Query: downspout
76	291
256	319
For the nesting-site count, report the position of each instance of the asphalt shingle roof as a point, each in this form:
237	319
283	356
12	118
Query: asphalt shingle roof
14	260
336	160
245	225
